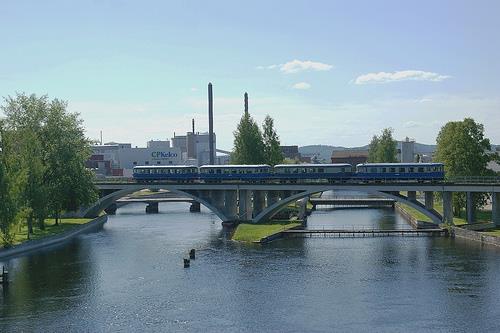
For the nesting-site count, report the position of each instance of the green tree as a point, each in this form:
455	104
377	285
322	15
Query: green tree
67	149
248	142
25	117
9	194
372	150
463	148
48	146
382	149
272	150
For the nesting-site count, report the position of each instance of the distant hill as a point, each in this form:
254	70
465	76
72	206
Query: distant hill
325	151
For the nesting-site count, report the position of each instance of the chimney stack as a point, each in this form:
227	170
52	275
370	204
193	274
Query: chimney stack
246	103
193	125
211	124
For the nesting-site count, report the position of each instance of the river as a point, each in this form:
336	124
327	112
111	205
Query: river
129	277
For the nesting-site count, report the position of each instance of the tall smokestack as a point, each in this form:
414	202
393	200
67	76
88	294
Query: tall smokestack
193	125
211	124
246	103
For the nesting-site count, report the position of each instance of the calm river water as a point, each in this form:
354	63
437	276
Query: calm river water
129	277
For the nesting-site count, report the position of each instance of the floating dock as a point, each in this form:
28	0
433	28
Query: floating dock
364	232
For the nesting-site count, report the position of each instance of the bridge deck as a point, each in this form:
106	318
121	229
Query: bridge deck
364	232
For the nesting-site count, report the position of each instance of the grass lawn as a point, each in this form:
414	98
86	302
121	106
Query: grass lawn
482	216
21	234
415	213
495	232
247	232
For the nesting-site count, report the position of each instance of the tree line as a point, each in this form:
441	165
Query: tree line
460	145
43	150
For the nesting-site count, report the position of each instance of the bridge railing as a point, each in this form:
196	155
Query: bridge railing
474	180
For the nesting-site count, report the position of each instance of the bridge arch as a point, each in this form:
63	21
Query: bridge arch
276	207
106	201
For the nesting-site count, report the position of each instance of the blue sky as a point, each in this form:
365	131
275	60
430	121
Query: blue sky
329	72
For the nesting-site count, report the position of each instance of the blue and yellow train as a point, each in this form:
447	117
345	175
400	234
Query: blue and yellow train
292	173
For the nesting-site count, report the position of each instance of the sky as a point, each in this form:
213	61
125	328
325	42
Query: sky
328	72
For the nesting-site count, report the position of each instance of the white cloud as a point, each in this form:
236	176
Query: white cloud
301	86
296	66
411	124
384	77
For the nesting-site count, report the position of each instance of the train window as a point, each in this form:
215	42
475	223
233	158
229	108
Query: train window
234	171
295	170
219	171
411	169
420	169
402	170
321	170
211	171
373	170
392	169
383	170
304	170
342	169
287	170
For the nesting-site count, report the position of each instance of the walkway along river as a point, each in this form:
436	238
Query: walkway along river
129	277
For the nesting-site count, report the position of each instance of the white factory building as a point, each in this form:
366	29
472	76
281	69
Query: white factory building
119	159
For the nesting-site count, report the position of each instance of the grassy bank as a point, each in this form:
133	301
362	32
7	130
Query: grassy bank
247	232
415	213
21	235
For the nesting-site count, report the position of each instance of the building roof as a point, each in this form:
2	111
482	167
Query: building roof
399	164
349	153
309	165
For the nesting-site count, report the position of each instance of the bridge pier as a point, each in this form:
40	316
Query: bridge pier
259	202
272	197
244	205
470	207
152	208
216	198
495	205
111	209
230	204
412	195
448	208
195	207
429	200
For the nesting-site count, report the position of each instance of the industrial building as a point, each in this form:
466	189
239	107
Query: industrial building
353	157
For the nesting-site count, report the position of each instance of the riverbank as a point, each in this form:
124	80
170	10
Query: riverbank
255	233
416	219
54	235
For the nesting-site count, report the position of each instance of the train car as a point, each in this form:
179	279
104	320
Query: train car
329	172
400	171
218	173
175	173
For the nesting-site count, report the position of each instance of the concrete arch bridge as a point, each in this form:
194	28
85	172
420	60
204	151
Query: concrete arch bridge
256	203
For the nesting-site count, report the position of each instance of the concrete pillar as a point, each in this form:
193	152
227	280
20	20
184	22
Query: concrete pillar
244	205
111	209
469	208
272	197
152	208
448	207
495	208
230	204
429	200
412	195
216	198
259	202
195	207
